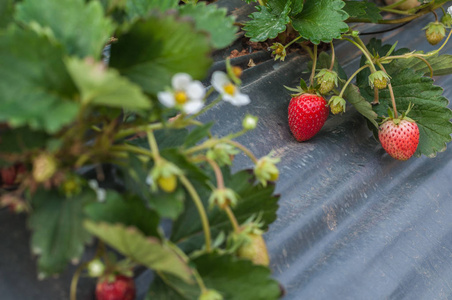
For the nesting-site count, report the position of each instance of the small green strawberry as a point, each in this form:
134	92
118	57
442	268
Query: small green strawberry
254	249
447	20
379	79
337	105
435	32
44	167
327	79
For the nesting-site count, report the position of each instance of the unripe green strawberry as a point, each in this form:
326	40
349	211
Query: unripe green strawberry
255	250
447	20
307	114
379	79
399	137
337	105
327	79
167	184
44	167
435	32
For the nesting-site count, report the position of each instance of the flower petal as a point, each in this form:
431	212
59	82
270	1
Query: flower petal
240	99
219	80
192	107
166	98
180	81
196	90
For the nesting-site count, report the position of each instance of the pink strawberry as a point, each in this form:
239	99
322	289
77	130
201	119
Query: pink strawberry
399	137
307	114
120	288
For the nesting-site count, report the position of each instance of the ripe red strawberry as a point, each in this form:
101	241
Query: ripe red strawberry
307	114
121	288
8	175
399	137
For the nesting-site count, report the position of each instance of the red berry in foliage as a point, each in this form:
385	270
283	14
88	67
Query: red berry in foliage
307	114
121	288
8	175
399	138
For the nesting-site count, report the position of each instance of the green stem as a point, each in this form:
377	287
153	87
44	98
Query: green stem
444	11
364	51
74	281
244	150
292	41
350	79
131	131
153	145
333	56
133	149
207	107
201	210
314	66
233	219
395	4
391	92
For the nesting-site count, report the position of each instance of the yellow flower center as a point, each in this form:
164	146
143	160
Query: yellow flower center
180	97
229	89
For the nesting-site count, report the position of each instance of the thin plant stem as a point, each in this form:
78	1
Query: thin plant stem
201	210
333	56
292	41
207	107
130	131
314	66
133	149
233	219
391	92
364	51
351	78
218	174
153	145
74	281
436	15
244	150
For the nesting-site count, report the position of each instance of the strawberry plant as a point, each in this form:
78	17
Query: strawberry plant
100	137
388	77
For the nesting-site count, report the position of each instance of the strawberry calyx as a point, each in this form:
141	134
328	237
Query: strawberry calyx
302	89
327	80
397	120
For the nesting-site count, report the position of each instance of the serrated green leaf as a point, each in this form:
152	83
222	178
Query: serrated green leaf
363	10
99	85
233	278
6	12
153	50
353	96
58	235
213	20
142	8
129	211
81	27
198	134
321	20
253	200
34	84
265	24
148	251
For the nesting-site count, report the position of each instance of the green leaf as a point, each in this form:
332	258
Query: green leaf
81	27
58	235
34	84
148	251
363	10
321	20
129	211
198	134
213	20
265	24
21	139
353	96
141	8
233	278
254	199
101	86
153	50
6	12
441	64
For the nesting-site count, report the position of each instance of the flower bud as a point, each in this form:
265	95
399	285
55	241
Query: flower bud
223	198
249	122
266	170
279	51
96	268
222	153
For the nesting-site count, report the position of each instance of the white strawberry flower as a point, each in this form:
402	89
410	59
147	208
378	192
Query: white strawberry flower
449	10
229	91
186	94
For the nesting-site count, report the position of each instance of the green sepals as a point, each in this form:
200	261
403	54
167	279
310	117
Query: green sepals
222	153
379	79
447	20
337	105
327	79
266	170
301	89
279	51
223	198
162	169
